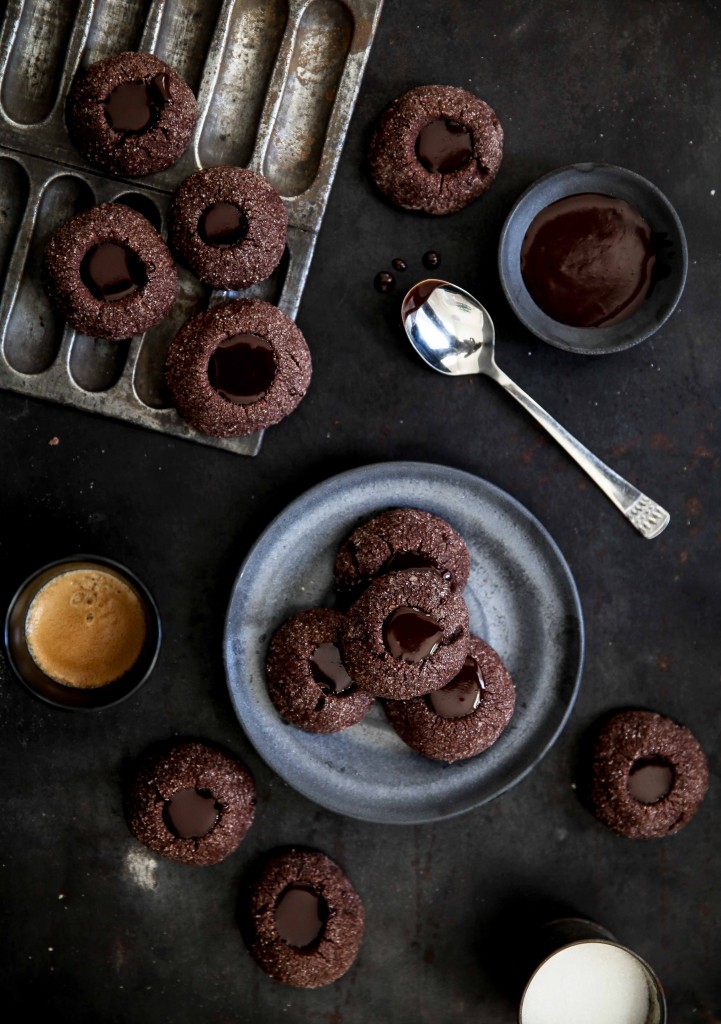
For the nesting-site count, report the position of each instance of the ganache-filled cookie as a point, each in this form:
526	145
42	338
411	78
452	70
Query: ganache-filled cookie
406	635
109	273
401	538
190	802
649	775
302	921
466	716
237	368
307	680
228	225
131	114
436	149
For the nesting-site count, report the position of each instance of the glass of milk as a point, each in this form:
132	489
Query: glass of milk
587	976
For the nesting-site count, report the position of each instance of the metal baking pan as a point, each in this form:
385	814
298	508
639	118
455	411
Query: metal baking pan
276	82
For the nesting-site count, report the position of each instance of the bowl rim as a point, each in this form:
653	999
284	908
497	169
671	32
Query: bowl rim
124	692
542	325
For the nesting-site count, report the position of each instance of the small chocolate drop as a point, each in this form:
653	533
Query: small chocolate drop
384	282
399	264
431	259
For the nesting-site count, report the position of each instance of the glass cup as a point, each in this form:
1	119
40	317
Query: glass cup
584	974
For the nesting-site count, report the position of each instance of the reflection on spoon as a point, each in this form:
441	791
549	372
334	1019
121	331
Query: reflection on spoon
453	333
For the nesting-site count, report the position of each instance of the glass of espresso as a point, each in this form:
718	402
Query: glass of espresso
82	633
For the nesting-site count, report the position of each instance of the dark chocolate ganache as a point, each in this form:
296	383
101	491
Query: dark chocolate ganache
444	146
410	634
587	260
329	671
650	780
222	225
301	914
462	695
134	107
112	271
242	368
191	813
384	282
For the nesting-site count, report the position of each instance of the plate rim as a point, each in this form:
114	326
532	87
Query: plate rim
382	469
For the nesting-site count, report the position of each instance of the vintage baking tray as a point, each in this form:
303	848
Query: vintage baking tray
276	82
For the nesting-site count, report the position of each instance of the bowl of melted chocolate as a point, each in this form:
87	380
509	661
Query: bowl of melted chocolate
593	258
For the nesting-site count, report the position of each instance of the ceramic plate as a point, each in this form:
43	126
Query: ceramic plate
521	598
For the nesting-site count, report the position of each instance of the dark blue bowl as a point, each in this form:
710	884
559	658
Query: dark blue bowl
668	238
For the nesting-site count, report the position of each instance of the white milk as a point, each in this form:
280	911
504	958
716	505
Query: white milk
589	983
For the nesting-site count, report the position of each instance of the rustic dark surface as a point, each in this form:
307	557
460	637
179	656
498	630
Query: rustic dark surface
93	930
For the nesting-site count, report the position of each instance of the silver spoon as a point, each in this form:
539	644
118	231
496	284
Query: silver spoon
452	332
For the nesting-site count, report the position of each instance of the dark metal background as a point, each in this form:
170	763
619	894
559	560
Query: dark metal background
95	931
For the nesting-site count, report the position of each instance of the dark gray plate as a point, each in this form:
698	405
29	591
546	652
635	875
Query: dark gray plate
521	598
669	242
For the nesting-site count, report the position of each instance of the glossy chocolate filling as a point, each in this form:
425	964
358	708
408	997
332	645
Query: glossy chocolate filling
444	146
650	780
222	225
112	271
411	635
408	560
417	295
301	914
134	107
329	671
191	813
587	260
242	368
462	695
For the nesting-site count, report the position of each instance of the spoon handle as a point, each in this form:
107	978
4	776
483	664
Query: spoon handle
643	513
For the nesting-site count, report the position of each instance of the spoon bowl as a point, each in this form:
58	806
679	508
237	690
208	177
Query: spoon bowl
453	333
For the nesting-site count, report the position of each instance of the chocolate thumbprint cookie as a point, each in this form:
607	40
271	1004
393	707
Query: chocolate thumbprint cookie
307	680
237	368
109	273
131	114
228	225
649	775
463	718
302	920
401	538
191	802
436	149
406	635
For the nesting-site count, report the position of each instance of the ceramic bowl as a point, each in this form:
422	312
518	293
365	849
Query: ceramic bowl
57	694
667	237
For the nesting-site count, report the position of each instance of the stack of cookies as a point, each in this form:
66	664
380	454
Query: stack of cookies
403	636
